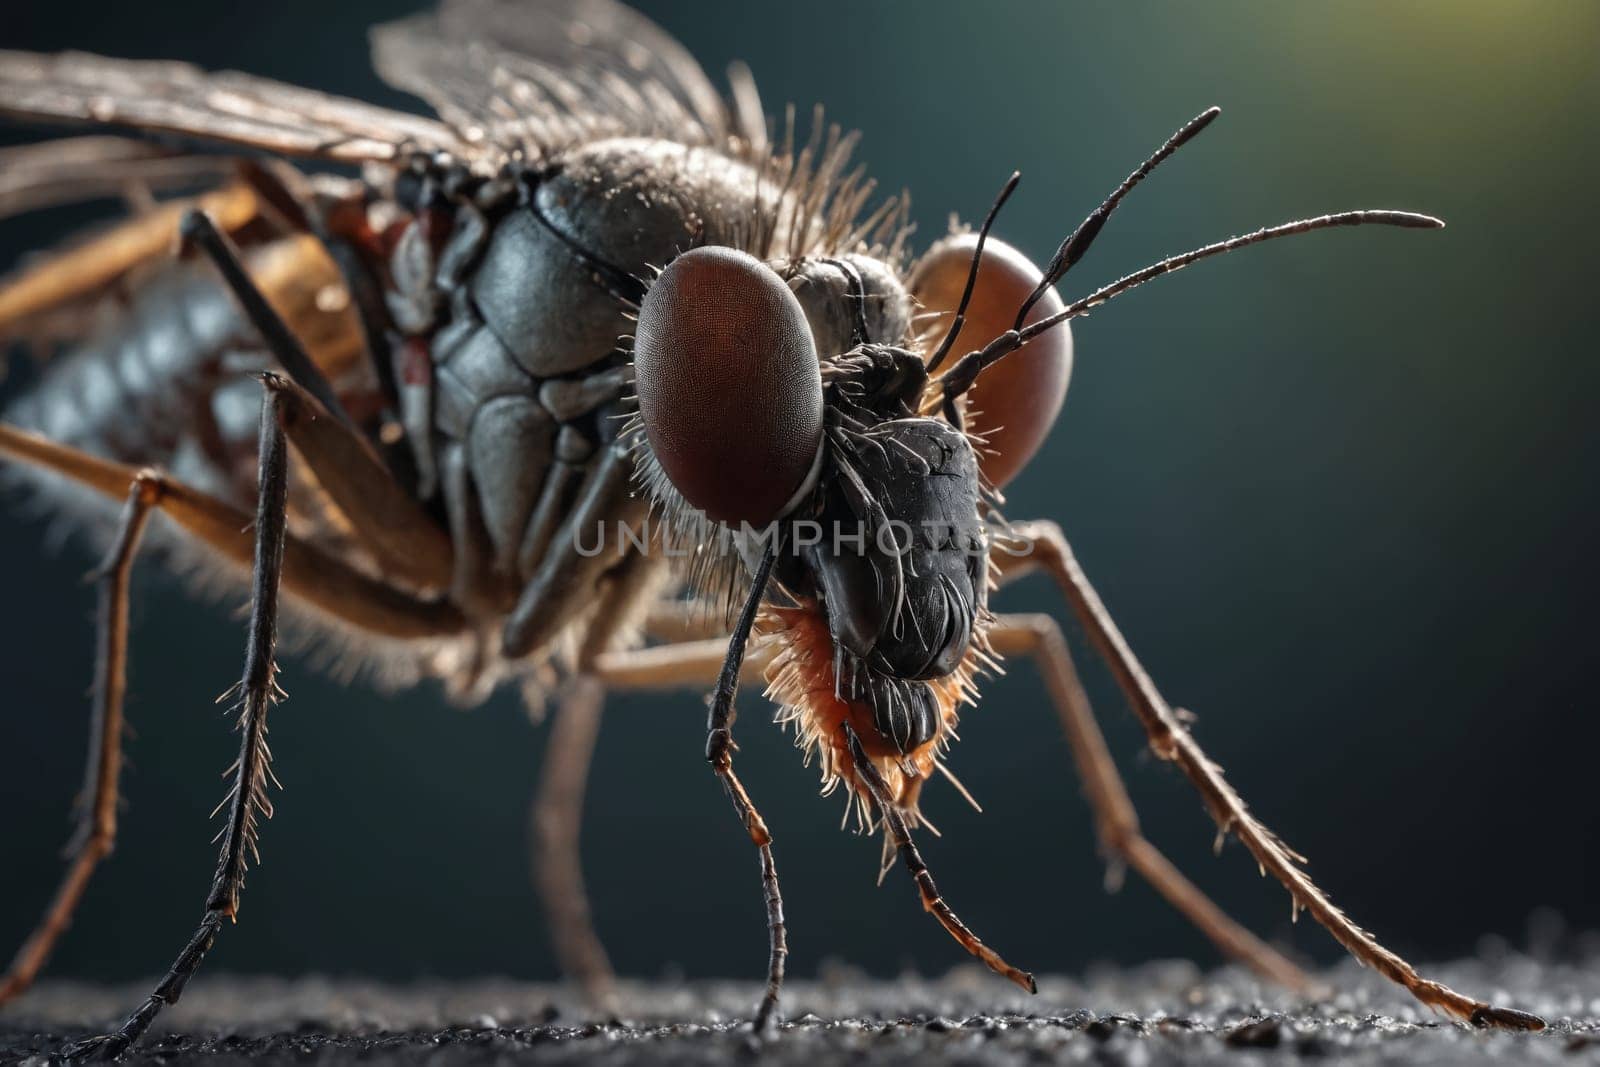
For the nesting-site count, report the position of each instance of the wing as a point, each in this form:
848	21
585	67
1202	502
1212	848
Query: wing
224	108
75	169
539	74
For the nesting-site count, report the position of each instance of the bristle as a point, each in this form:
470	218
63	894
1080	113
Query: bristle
802	678
956	782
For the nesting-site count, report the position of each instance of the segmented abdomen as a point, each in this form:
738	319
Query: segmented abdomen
167	378
146	387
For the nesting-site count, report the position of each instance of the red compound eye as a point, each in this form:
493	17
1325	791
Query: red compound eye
1015	402
729	385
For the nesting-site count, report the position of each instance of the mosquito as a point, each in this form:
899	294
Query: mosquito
593	293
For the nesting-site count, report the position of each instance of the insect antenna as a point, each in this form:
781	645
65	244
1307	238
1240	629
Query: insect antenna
1077	244
972	273
966	371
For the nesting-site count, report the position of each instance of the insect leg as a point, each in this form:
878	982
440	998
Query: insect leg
626	592
687	665
66	275
404	540
97	806
198	230
557	820
322	582
567	570
719	753
693	663
1117	824
1044	548
256	691
675	621
900	836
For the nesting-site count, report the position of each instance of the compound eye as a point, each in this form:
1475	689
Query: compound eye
730	389
1015	402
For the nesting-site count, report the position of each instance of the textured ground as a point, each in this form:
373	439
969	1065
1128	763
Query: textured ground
1159	1014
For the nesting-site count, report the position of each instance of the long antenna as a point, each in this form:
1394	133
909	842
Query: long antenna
1077	244
972	274
966	371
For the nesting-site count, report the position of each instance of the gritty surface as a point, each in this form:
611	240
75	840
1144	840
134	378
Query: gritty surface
1158	1014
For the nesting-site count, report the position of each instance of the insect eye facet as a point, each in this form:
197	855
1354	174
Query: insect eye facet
1015	402
730	389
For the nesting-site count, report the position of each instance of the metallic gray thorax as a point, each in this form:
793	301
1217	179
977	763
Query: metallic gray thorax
523	314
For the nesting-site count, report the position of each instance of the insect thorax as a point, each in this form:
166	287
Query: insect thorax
513	300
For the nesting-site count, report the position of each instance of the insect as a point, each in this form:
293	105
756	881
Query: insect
596	381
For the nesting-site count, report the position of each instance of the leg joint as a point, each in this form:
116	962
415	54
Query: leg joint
150	486
1119	832
96	844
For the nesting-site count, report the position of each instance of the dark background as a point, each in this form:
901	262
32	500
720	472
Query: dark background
1339	491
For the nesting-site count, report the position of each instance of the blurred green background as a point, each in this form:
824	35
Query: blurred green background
1339	491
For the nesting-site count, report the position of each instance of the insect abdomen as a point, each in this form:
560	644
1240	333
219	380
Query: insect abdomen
145	387
166	378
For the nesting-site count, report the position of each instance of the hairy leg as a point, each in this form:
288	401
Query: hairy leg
899	835
322	581
272	554
256	691
719	753
694	664
1043	547
325	583
1039	638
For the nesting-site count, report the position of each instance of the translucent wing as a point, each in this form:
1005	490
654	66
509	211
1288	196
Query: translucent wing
222	108
75	169
538	74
